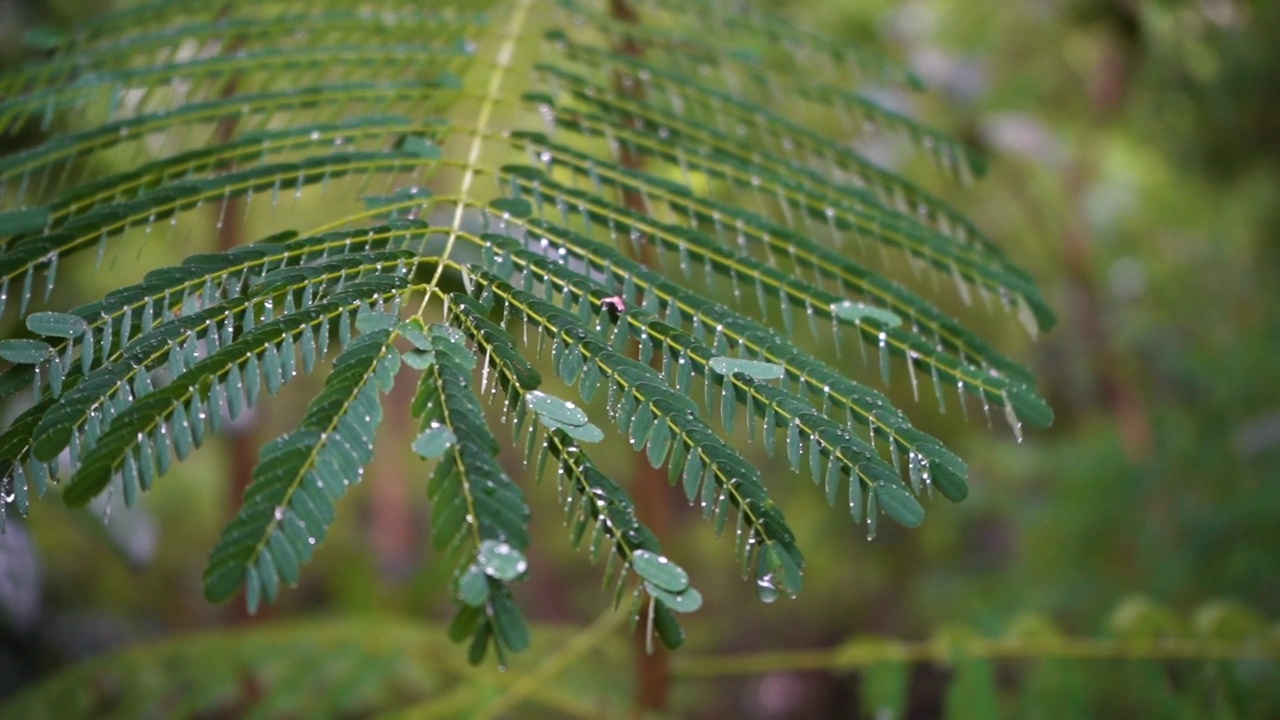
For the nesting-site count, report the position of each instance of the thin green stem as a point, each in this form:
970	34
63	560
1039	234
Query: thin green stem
505	58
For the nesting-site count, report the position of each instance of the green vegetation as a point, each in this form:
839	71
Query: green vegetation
653	244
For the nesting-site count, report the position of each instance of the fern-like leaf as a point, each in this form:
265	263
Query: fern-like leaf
479	513
289	505
657	242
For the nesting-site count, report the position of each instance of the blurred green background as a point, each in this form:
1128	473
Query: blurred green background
1133	148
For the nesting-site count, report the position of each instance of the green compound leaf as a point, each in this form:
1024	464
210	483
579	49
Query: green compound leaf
702	203
478	514
289	504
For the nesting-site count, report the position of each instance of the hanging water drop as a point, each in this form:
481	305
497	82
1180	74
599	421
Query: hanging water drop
937	389
1012	417
884	357
962	287
767	589
106	505
911	371
1028	318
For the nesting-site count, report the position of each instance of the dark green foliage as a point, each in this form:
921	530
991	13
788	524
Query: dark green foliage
681	215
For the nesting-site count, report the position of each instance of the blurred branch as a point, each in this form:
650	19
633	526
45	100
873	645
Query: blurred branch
554	664
332	666
858	656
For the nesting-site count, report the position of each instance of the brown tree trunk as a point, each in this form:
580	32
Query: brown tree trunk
242	446
653	669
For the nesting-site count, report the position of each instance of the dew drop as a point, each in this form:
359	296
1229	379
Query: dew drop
884	358
911	370
1028	318
766	589
1012	418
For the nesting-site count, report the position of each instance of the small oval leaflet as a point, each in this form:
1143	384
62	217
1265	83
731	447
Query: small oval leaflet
434	441
513	207
23	351
415	333
447	332
553	408
1029	407
56	324
420	146
586	432
898	503
508	624
851	311
660	571
370	320
473	586
500	560
21	222
946	470
419	359
753	368
683	602
668	627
